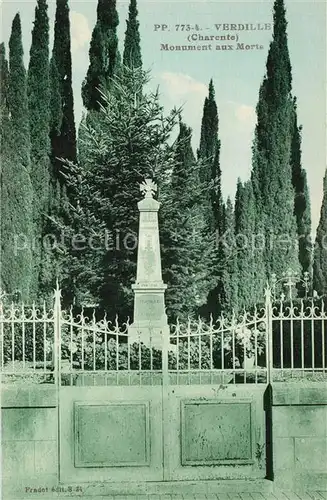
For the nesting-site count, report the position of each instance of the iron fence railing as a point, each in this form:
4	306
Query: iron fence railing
282	340
27	342
299	333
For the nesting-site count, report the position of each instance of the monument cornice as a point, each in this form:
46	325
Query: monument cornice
148	205
149	287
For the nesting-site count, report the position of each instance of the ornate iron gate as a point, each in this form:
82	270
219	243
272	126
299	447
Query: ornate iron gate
191	410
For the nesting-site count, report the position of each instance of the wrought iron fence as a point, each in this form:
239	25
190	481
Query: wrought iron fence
27	342
299	332
228	350
282	340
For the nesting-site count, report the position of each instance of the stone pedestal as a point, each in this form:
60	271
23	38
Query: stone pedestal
150	319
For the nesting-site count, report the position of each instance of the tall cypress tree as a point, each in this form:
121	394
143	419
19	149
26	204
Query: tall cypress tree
16	188
62	135
132	49
320	251
39	118
209	154
4	75
210	177
243	222
56	107
4	119
38	87
302	209
64	143
230	263
17	94
186	248
49	259
250	263
103	54
272	173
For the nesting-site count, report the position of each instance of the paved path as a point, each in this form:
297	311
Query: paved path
223	496
281	495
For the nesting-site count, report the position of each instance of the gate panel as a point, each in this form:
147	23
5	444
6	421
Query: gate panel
110	434
213	432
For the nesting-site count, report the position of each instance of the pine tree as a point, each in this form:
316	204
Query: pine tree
132	49
103	54
64	143
272	175
302	209
186	248
320	250
38	90
16	188
130	145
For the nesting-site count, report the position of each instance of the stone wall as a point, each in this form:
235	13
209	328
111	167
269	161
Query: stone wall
298	422
299	418
29	436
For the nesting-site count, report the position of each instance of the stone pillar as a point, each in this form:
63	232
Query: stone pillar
150	319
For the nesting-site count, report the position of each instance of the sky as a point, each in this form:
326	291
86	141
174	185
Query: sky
183	76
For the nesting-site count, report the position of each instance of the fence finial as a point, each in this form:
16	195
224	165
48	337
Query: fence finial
57	291
268	292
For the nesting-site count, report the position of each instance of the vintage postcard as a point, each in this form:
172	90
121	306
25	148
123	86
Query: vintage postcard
163	266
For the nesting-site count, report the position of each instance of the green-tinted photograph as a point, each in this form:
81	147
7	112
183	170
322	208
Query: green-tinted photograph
163	263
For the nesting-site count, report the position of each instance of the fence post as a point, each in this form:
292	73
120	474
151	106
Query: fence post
57	335
2	296
165	349
269	334
165	399
57	364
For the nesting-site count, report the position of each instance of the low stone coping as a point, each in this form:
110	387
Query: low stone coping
13	396
45	395
299	393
